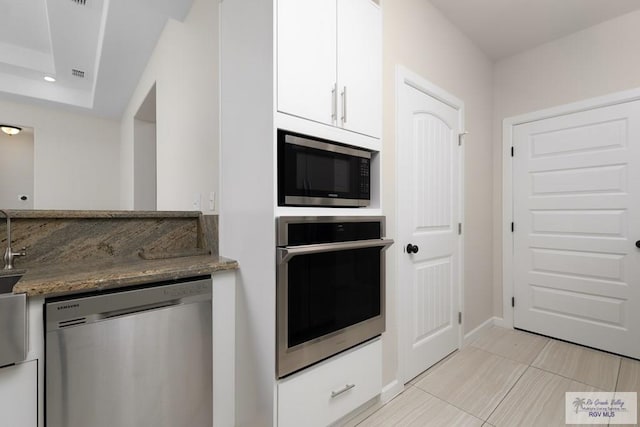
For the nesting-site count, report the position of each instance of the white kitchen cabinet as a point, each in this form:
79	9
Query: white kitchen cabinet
260	89
329	62
359	59
324	393
19	395
307	58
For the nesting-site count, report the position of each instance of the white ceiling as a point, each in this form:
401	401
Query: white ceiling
109	40
502	28
112	40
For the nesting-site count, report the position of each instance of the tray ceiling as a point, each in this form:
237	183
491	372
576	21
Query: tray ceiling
95	49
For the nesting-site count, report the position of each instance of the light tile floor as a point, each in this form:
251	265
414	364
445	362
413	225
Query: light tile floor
506	378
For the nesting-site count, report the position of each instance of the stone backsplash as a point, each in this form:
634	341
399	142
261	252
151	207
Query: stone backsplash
54	237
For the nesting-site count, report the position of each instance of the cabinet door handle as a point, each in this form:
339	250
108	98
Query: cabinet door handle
334	103
347	387
344	105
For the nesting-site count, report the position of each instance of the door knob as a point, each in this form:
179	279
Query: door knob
638	244
412	249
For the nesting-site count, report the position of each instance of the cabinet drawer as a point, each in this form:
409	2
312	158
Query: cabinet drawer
326	392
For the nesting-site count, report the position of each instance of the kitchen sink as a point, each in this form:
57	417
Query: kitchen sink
8	279
13	319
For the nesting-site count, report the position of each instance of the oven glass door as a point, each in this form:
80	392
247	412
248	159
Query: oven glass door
330	291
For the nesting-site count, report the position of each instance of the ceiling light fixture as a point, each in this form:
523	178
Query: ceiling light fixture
10	130
49	79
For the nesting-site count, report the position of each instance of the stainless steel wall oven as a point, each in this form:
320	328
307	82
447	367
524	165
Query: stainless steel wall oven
330	287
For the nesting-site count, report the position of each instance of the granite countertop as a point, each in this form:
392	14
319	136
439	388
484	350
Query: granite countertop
27	213
68	278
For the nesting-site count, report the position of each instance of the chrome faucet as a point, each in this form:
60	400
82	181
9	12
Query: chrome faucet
9	255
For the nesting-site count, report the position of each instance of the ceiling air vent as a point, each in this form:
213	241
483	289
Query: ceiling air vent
80	2
76	72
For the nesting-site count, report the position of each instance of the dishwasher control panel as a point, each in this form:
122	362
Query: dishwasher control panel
65	312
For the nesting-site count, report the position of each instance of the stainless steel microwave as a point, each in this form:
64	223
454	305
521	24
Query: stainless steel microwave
317	172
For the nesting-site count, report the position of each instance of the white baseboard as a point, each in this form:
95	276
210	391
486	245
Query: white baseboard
391	390
475	333
499	321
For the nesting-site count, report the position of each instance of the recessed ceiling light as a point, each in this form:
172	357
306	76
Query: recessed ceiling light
10	130
49	79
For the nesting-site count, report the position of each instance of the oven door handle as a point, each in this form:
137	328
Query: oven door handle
284	254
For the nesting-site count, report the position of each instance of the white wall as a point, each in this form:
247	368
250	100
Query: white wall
184	67
593	62
76	156
144	160
417	36
16	169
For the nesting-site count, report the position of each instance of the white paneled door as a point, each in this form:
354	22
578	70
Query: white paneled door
428	216
576	193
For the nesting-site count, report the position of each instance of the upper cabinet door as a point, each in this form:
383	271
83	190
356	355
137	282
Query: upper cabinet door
307	59
359	66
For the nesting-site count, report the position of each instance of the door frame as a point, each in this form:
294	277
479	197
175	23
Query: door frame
404	76
508	284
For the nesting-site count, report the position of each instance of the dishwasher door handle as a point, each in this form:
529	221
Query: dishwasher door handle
139	309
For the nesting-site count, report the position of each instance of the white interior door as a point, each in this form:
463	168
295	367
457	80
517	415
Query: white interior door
576	193
428	217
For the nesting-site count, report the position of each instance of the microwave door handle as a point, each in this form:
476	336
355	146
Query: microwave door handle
286	253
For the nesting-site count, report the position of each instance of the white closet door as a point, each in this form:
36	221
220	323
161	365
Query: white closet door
428	215
577	219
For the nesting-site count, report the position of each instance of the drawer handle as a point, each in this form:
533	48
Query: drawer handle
342	390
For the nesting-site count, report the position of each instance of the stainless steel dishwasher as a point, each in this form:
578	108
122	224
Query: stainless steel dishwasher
132	358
